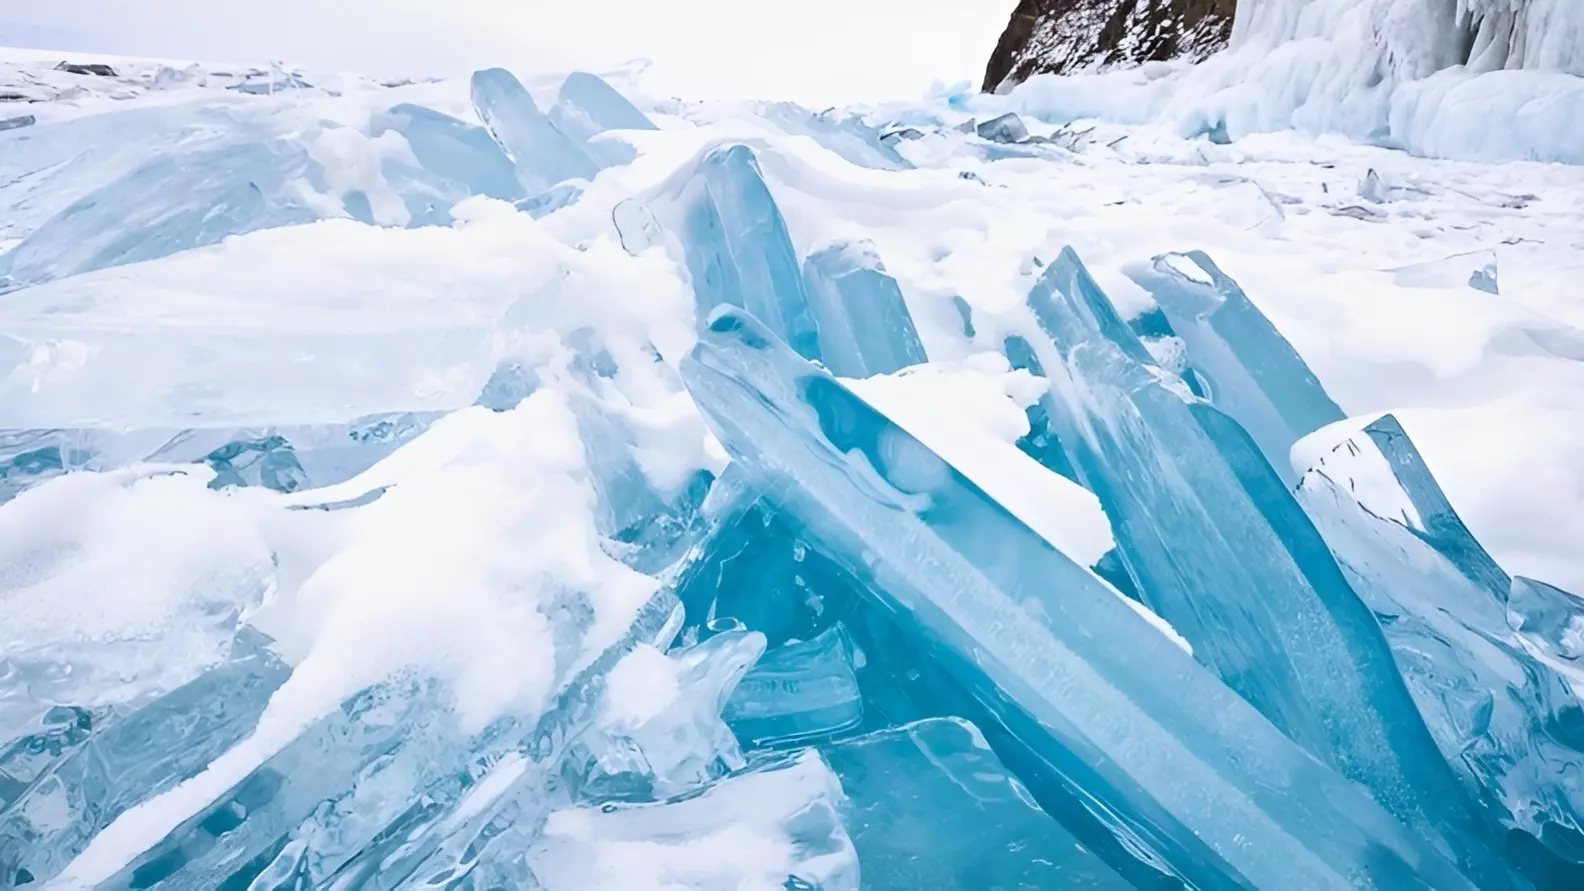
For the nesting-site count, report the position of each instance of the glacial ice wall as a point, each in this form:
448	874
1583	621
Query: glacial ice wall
1492	80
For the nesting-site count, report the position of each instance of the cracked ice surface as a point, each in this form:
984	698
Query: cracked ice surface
368	530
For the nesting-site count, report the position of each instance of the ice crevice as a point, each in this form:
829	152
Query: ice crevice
522	483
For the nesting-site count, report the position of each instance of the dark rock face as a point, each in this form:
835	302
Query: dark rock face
1059	36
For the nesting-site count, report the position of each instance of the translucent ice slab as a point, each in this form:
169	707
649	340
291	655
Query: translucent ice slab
588	106
799	691
1499	703
382	786
662	722
184	199
1220	550
462	156
281	458
542	155
135	758
775	825
1165	754
929	805
736	245
862	321
1249	370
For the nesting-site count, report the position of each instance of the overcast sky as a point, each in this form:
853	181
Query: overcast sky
814	51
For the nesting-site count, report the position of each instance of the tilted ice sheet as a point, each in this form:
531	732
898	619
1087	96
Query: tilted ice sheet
361	321
1219	548
967	577
1494	705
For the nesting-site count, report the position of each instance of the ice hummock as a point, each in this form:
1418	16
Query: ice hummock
976	588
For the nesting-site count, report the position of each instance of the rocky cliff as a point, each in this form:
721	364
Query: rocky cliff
1057	36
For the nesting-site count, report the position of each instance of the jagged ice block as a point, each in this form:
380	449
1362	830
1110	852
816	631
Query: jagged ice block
1167	754
541	154
1249	370
1219	549
860	317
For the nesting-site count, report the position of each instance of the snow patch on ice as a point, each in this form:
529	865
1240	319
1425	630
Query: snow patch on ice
972	416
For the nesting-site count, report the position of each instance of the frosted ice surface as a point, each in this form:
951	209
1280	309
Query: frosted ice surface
663	717
542	155
1107	704
392	756
860	317
587	106
1476	269
799	691
774	825
1246	367
455	150
137	756
929	805
141	593
183	200
848	136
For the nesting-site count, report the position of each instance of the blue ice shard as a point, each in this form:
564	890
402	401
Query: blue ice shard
1165	754
458	152
1249	370
1425	508
737	248
1007	128
543	155
684	744
697	841
1219	549
860	317
135	758
285	458
181	200
588	106
846	135
1502	711
18	122
799	691
929	805
1548	616
376	783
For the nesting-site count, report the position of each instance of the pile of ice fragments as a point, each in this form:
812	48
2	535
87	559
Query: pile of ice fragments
846	654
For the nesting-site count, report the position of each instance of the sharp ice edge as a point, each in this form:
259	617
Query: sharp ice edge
1488	659
1491	671
842	577
924	542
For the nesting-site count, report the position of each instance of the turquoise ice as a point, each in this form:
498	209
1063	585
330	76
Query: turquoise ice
1176	762
860	317
1251	372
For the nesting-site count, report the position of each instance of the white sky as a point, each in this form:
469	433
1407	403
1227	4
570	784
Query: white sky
812	51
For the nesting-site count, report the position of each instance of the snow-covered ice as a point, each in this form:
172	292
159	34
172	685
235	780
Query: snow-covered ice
535	481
